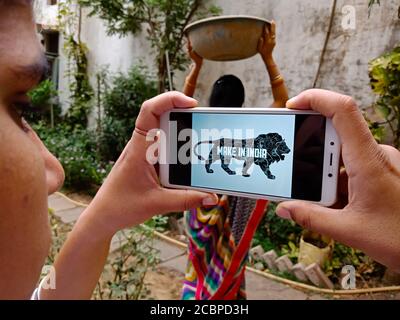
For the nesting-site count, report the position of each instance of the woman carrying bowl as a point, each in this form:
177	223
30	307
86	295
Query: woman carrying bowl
224	230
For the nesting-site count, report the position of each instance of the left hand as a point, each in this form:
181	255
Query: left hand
132	193
267	42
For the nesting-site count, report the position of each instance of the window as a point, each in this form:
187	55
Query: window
51	42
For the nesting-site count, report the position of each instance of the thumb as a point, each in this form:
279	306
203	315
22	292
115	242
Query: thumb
326	221
181	200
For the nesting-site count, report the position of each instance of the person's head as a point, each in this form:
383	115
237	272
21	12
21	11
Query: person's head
228	91
22	65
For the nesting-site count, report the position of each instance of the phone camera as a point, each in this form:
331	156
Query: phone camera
332	143
330	175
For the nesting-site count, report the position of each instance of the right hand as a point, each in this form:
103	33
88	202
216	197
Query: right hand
198	60
267	42
370	220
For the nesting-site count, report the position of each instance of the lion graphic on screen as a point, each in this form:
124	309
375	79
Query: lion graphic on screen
263	151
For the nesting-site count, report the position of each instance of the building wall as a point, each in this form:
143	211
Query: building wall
301	30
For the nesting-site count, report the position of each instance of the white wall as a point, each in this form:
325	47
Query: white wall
301	30
301	26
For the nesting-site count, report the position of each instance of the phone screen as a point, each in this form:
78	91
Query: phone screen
260	154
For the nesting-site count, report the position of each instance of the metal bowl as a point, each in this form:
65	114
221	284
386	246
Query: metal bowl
226	38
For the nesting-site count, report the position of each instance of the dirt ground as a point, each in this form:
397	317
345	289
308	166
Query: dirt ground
163	284
78	197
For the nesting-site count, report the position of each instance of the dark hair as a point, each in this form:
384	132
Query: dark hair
228	91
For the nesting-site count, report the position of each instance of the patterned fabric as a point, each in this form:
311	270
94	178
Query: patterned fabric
240	210
220	238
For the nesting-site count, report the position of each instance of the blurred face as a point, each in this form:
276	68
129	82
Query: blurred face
22	66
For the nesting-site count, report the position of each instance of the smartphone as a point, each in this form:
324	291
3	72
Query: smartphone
261	153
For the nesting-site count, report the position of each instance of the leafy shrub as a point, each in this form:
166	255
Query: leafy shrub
76	150
283	236
126	268
124	273
121	108
276	233
43	93
42	98
344	255
385	81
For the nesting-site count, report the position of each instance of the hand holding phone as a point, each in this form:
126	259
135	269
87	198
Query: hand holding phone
274	154
131	193
368	215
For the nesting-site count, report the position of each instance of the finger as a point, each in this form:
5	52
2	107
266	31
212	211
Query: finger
343	190
393	155
347	119
343	183
181	200
260	44
266	32
273	29
326	221
152	109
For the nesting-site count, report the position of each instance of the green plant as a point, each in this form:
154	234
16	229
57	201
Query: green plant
158	223
123	277
284	236
42	95
371	3
276	233
165	21
59	231
377	128
284	275
384	73
76	150
42	98
121	106
102	88
344	255
81	92
291	250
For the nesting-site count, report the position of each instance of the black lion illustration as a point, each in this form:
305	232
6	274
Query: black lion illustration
262	151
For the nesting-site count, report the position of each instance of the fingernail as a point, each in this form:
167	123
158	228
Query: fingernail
291	103
190	98
284	213
193	102
209	201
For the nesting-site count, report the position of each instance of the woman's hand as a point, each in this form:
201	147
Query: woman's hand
191	80
132	193
198	61
267	42
370	219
